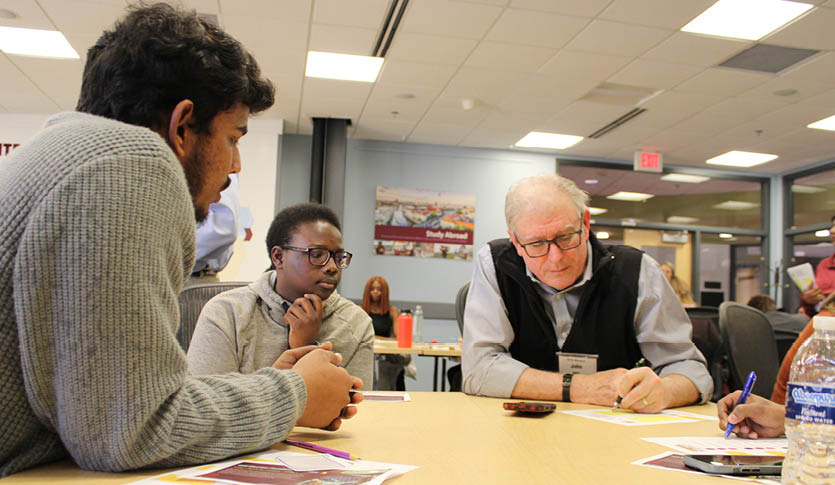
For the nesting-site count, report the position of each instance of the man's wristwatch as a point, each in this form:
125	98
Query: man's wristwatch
566	387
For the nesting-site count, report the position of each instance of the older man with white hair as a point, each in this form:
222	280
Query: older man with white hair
552	314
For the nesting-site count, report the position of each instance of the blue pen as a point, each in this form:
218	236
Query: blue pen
752	378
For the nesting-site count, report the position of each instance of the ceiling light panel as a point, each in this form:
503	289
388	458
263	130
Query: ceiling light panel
596	211
686	178
36	43
538	139
630	196
329	65
822	233
806	189
740	159
824	124
725	235
745	19
735	205
682	220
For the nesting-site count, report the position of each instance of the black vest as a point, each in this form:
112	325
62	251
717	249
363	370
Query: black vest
604	323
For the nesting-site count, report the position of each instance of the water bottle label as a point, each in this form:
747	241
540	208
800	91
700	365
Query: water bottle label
810	404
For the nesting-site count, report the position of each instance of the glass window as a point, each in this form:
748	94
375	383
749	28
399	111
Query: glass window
730	268
814	199
713	202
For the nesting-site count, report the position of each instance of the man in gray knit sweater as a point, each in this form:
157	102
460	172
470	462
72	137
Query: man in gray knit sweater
97	231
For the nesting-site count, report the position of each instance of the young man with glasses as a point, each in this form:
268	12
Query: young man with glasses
551	290
293	305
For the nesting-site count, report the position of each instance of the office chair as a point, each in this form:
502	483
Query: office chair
191	302
749	340
708	340
454	372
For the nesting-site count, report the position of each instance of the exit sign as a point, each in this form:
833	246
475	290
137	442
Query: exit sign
648	162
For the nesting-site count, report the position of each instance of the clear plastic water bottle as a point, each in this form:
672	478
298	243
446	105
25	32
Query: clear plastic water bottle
810	409
418	324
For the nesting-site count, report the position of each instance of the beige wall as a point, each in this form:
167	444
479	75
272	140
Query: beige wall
644	237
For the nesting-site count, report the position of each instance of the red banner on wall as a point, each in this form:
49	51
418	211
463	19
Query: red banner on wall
423	234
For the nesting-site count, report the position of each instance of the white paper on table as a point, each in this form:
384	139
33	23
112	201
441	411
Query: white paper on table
628	418
803	276
306	463
386	396
684	469
389	470
692	445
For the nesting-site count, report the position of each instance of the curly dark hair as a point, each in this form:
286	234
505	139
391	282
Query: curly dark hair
286	222
158	56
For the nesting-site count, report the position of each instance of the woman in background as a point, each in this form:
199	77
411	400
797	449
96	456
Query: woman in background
375	302
681	288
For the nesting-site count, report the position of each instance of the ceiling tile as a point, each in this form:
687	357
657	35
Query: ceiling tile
613	38
584	8
19	94
679	101
342	40
812	31
514	57
695	49
57	78
569	126
653	74
416	73
820	68
331	107
430	48
603	114
583	65
382	129
669	140
283	10
82	17
435	133
668	14
721	81
535	28
447	18
385	102
448	111
29	15
486	85
805	90
318	87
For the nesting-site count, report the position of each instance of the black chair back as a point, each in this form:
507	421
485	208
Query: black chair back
751	346
454	372
191	301
708	340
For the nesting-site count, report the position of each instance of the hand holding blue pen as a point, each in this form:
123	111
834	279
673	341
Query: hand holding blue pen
749	384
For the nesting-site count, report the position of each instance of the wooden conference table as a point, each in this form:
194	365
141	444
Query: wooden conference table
459	439
437	350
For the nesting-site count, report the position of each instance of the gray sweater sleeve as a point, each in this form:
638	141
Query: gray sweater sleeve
361	363
98	269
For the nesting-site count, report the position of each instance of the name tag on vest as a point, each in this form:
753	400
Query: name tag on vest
576	363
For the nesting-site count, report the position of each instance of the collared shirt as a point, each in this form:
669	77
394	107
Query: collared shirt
662	328
216	235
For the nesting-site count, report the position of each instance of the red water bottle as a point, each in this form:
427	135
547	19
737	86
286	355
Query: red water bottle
404	329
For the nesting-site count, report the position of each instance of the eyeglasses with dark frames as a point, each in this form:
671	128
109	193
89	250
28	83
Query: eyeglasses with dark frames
538	249
321	256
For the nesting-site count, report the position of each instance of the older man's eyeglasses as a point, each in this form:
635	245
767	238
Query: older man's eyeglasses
538	249
321	256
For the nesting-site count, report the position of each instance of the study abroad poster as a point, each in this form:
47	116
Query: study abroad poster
424	223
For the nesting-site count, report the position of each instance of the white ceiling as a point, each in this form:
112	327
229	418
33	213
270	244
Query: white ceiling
526	63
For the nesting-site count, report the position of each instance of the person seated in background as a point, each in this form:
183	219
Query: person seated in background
552	287
681	288
216	235
824	280
780	321
779	393
293	305
757	418
390	367
97	225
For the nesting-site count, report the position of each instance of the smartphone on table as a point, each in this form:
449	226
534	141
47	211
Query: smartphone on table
736	464
530	407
